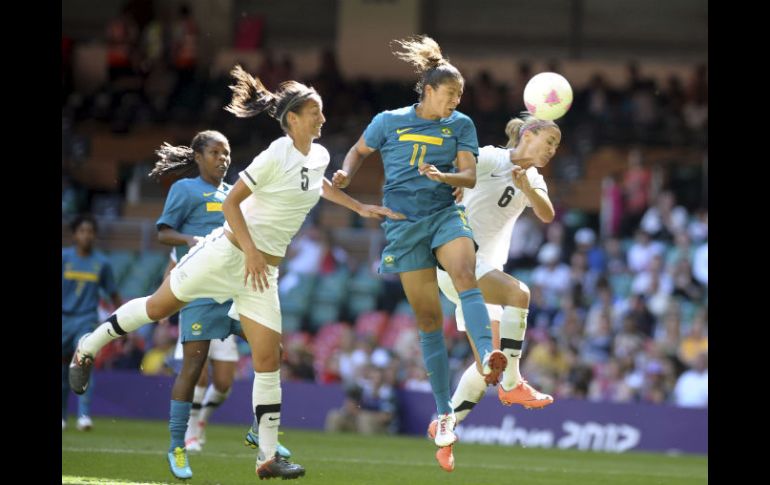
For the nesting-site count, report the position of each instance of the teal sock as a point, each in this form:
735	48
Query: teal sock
477	320
177	423
436	360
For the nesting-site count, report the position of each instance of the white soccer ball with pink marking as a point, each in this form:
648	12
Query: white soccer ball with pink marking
548	96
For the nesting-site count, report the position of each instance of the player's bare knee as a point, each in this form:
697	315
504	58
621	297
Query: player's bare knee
464	279
429	321
524	289
192	365
518	295
268	362
155	310
222	383
222	386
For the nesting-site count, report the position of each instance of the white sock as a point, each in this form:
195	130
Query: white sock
129	317
195	411
469	392
212	401
266	399
513	324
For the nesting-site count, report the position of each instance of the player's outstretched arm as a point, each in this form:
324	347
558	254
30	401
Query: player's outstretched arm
541	204
351	164
333	194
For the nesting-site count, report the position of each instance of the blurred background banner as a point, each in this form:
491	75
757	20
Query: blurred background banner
568	424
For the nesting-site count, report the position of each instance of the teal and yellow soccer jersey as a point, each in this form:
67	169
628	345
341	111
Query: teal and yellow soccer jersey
193	206
81	280
405	142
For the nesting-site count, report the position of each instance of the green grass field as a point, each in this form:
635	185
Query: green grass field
120	451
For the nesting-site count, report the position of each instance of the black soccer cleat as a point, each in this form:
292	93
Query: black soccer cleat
280	467
80	369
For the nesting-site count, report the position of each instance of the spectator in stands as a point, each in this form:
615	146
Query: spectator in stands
344	354
629	340
184	47
269	70
552	276
616	258
636	191
525	243
642	251
329	81
604	303
667	337
416	377
596	98
568	324
596	347
330	372
609	383
664	219
684	284
154	361
695	342
640	314
303	257
611	209
122	36
682	250
125	354
298	362
369	408
547	364
696	106
654	280
578	380
698	229
692	387
585	243
582	279
700	264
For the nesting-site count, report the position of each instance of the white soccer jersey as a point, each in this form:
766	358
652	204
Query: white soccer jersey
285	185
494	204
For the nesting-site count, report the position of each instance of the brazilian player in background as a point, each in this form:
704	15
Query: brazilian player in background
84	271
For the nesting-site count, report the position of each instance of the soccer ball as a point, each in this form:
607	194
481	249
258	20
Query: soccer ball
548	96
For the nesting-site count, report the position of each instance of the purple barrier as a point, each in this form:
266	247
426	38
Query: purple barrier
130	394
565	424
569	423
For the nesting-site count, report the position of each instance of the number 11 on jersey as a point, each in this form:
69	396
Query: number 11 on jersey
422	154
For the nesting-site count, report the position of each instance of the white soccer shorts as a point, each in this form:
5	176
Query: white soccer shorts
448	289
214	268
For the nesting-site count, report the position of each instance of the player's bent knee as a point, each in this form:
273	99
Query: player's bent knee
518	295
157	311
464	280
222	387
429	322
191	366
266	363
